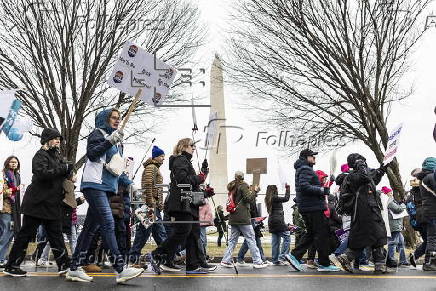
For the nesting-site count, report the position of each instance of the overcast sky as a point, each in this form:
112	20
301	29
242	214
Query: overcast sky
416	113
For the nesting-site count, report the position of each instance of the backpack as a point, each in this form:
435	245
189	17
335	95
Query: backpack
231	204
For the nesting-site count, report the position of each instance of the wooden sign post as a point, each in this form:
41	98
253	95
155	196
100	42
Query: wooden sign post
257	167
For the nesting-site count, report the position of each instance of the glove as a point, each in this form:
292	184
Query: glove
116	137
205	167
384	168
209	191
332	178
202	177
326	191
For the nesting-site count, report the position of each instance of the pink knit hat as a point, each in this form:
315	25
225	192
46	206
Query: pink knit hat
386	190
345	168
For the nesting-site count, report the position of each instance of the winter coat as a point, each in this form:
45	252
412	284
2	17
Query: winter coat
9	194
243	198
43	197
12	206
99	151
367	225
415	195
428	194
151	176
335	221
182	172
340	178
396	208
220	221
257	226
310	194
117	201
276	219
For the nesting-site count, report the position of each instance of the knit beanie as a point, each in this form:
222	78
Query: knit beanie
156	152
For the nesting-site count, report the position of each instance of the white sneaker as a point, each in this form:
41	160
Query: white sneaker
44	263
78	276
128	274
241	264
260	266
227	265
268	263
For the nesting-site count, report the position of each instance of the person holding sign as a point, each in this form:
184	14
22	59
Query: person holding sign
99	183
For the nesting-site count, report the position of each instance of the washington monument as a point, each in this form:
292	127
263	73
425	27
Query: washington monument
218	154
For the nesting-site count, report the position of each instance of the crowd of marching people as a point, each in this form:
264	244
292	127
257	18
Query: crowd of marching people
355	225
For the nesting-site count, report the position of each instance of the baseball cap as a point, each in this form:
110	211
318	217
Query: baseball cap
307	152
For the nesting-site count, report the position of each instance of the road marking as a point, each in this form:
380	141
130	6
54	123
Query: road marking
338	276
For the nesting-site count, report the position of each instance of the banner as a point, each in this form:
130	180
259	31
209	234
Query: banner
137	69
392	146
13	114
7	97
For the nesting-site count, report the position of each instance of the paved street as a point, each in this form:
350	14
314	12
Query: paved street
273	278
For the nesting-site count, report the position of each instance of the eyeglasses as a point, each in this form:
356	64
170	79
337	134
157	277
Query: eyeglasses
115	118
192	145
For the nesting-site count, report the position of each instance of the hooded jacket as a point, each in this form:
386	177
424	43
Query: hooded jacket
99	151
151	176
243	199
310	194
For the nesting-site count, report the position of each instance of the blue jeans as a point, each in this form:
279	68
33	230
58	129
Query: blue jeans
396	241
99	215
244	249
342	247
6	234
248	232
157	230
203	238
275	244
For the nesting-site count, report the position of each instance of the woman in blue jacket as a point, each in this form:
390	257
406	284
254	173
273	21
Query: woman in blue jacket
98	184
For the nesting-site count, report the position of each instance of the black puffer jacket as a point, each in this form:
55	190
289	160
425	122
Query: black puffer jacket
182	172
276	220
43	198
310	195
415	195
367	226
428	194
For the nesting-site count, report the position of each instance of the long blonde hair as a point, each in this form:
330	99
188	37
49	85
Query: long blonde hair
182	145
271	191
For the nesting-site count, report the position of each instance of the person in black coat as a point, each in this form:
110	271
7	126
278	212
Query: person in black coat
428	196
367	226
276	223
420	224
311	205
181	209
42	204
220	223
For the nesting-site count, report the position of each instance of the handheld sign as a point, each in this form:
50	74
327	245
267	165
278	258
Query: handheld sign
136	70
392	146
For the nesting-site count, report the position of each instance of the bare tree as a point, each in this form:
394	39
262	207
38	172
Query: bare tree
328	68
61	51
